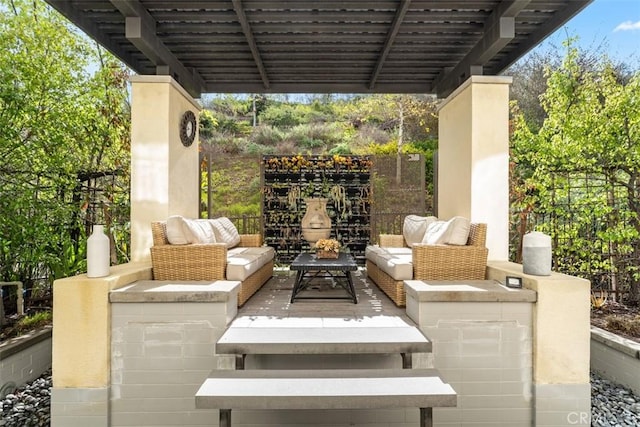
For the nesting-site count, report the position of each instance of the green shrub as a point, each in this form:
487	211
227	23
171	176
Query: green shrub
342	148
281	115
266	135
254	148
316	135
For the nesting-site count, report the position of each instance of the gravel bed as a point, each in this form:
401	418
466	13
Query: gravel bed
28	406
611	405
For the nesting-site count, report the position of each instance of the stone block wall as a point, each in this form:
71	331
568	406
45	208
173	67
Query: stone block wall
24	359
616	358
161	354
482	335
484	351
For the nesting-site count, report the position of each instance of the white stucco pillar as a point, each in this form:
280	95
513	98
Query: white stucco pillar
164	173
473	158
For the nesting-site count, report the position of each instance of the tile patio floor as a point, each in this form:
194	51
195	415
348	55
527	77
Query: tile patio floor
271	306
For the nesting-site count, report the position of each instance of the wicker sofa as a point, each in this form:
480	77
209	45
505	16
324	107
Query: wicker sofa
213	261
392	261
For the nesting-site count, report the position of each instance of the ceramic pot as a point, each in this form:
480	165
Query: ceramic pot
316	223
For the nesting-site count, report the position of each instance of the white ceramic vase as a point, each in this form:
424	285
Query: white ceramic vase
536	254
98	253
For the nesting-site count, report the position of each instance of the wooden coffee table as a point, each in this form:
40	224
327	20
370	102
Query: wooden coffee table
309	267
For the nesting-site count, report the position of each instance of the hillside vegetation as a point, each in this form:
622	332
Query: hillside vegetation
237	131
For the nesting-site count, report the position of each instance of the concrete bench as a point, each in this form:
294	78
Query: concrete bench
325	389
404	340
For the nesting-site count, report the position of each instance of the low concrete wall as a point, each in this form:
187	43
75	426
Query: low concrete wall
82	345
24	359
615	358
163	337
482	334
561	382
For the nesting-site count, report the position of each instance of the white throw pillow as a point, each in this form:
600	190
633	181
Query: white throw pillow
459	228
225	231
414	228
176	231
452	232
200	230
436	233
184	231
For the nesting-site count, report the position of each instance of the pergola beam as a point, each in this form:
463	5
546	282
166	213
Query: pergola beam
140	30
318	87
499	31
388	43
246	29
68	10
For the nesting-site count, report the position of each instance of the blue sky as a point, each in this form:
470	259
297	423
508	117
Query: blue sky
611	26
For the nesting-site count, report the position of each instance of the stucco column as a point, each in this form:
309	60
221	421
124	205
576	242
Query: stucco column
473	158
164	173
561	341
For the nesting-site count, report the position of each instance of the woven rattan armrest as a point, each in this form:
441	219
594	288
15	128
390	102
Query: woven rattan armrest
445	262
189	262
392	241
250	240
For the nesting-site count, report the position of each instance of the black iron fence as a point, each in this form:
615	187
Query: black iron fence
593	225
381	223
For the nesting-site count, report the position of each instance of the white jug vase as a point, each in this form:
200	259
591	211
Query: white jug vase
98	253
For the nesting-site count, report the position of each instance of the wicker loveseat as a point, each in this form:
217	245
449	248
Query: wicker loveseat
213	261
392	261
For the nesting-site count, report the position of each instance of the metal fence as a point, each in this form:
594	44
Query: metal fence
381	223
590	220
581	213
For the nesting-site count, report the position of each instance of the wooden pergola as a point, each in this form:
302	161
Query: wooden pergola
304	46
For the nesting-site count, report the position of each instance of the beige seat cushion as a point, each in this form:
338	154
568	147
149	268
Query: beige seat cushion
243	262
396	262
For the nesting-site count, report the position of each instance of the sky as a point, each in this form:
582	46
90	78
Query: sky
611	26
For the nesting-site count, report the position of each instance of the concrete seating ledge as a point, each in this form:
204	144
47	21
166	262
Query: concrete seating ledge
465	291
176	291
325	389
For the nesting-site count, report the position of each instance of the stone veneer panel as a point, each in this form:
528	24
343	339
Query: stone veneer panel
484	350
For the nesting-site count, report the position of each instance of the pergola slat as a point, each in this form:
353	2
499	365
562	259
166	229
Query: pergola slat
418	45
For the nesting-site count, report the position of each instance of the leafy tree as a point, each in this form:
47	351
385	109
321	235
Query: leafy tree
531	73
592	128
59	125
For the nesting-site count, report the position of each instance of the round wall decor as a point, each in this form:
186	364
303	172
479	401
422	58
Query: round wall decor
188	125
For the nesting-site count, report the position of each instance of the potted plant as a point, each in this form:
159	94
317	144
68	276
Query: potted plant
327	248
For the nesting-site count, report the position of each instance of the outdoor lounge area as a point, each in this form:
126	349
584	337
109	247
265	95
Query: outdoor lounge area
510	357
136	347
